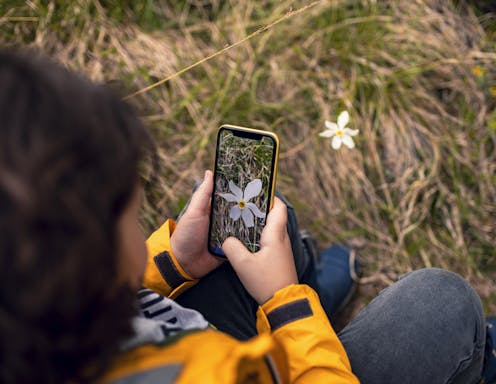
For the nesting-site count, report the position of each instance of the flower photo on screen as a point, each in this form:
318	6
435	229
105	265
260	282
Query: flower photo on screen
242	183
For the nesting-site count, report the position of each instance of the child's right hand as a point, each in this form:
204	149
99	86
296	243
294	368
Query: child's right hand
272	267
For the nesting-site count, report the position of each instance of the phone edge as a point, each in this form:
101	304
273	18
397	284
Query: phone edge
275	137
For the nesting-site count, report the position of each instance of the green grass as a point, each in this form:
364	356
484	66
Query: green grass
418	80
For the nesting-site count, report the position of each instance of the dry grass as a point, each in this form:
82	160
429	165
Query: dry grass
416	76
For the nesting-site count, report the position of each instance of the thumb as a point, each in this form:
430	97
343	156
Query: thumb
200	201
275	228
235	251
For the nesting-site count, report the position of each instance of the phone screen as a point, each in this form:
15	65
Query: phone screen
243	184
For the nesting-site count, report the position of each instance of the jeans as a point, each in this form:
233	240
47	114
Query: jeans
426	328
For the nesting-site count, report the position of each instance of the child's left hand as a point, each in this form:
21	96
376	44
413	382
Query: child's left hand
189	240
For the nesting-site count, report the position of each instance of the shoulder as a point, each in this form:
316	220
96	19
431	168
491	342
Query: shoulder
202	356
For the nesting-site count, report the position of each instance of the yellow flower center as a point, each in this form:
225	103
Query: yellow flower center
339	132
241	204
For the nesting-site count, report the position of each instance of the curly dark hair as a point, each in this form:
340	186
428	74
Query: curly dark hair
69	157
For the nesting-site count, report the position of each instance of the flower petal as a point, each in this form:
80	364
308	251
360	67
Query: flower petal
252	189
343	119
257	212
348	141
229	197
327	133
336	142
350	132
333	127
247	217
236	190
235	213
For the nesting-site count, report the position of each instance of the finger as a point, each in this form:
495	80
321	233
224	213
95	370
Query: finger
276	222
200	201
235	251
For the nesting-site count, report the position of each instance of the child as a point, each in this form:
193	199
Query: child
72	257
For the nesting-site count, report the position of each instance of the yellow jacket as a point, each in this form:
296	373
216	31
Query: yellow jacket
296	343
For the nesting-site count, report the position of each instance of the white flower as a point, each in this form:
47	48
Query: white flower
243	207
341	133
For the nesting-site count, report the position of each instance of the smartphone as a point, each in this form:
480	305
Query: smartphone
244	183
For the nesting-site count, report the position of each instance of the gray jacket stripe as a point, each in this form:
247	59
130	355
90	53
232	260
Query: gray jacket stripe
166	374
273	369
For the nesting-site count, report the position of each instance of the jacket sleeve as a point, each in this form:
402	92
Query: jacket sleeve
163	274
298	322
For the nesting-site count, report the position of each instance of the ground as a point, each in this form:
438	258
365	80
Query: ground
417	78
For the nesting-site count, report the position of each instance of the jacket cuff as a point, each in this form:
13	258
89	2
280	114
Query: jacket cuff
163	272
289	304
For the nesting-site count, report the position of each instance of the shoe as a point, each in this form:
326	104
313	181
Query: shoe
337	276
489	370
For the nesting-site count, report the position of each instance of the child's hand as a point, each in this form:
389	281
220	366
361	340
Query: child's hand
270	269
189	240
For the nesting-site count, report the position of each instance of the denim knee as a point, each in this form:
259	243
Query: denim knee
440	280
449	289
461	311
428	327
